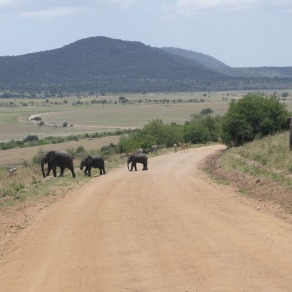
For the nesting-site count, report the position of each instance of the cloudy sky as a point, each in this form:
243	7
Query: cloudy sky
240	33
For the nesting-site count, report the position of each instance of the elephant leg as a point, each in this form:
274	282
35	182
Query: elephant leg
72	171
135	166
54	171
62	171
103	171
49	169
100	171
89	171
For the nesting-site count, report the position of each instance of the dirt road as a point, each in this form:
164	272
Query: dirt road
165	229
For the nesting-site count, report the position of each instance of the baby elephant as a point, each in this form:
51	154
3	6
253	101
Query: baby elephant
133	159
94	161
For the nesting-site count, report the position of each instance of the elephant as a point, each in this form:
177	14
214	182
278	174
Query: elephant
94	161
289	123
56	159
154	149
138	158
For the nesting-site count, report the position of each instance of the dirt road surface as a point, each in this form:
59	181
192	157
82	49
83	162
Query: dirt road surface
165	229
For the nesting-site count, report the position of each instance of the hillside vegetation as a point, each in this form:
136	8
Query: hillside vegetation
100	64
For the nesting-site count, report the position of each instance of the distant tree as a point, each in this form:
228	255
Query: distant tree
103	101
285	94
122	100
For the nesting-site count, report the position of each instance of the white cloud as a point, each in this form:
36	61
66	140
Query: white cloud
196	7
50	13
6	2
124	3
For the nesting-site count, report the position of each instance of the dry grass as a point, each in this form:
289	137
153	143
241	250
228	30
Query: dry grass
271	152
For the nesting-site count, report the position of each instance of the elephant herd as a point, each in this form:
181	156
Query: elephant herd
62	159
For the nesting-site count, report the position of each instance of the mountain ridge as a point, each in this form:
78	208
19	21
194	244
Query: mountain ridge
103	64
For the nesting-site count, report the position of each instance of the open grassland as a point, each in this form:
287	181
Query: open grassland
91	118
87	114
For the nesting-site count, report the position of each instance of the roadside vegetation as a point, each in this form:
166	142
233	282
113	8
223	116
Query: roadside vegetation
255	123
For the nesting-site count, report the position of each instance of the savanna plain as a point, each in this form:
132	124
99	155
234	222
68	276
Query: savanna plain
206	219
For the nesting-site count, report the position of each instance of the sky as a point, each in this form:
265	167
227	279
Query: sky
239	33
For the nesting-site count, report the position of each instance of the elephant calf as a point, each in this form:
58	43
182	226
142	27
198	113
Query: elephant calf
138	158
94	161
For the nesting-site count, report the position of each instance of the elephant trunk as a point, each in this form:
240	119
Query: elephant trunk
82	164
43	169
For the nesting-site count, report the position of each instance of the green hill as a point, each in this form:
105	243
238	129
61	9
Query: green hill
101	64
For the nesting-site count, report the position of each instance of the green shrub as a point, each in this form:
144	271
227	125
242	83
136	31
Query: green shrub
196	133
30	138
155	132
253	116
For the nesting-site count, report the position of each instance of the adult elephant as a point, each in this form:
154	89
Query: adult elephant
94	161
289	123
56	159
138	158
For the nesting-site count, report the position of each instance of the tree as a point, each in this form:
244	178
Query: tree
122	100
253	116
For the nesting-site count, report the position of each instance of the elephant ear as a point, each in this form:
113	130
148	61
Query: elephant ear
89	160
52	156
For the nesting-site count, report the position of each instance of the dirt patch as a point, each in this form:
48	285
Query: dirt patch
13	219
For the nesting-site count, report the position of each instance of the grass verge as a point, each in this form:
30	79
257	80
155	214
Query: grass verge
260	170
